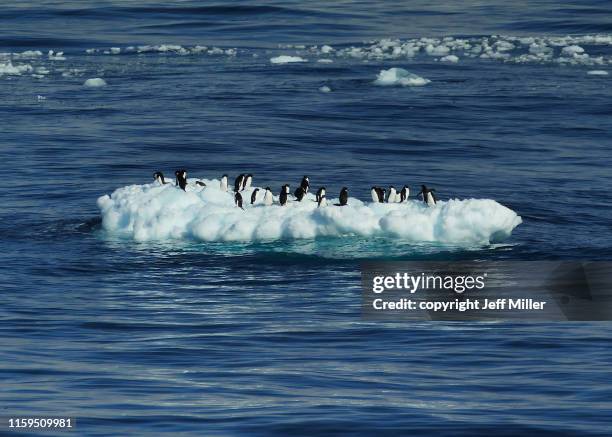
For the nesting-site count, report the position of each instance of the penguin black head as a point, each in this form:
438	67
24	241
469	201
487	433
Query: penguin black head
224	176
268	189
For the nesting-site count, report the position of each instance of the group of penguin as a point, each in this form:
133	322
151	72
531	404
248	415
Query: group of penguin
244	181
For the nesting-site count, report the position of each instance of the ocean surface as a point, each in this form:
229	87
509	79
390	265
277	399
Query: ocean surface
186	337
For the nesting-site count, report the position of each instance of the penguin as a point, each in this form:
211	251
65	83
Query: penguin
223	184
181	178
404	194
378	194
254	195
200	183
268	197
391	195
428	195
321	200
159	177
305	184
299	193
374	194
343	197
238	182
282	198
238	200
248	180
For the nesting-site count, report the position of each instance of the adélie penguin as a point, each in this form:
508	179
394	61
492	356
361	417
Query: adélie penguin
321	200
268	197
248	179
223	184
238	200
391	195
254	195
181	178
305	184
428	195
238	182
404	194
284	194
374	194
299	193
343	197
159	177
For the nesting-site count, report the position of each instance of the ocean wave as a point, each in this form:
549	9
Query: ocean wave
154	212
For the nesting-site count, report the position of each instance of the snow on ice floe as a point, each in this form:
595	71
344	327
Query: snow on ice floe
283	59
154	212
399	76
95	82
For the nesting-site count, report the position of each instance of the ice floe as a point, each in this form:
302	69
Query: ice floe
154	212
399	76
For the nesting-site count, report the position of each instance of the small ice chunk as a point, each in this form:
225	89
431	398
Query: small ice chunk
399	76
95	82
597	73
327	49
284	59
325	89
325	61
571	50
450	58
115	50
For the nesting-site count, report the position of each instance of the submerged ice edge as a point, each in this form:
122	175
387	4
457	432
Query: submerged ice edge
154	212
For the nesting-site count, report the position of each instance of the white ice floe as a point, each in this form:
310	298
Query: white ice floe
450	58
399	76
154	212
325	89
9	68
284	59
95	82
597	73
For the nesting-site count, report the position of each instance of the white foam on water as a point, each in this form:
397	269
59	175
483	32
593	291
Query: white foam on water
399	76
95	82
284	59
154	212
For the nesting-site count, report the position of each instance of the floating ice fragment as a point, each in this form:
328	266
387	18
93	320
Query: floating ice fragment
95	82
450	58
284	59
399	76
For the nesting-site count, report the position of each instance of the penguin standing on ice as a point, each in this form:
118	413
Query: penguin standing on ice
404	194
254	195
343	197
223	184
374	194
305	184
268	197
238	182
284	194
321	200
248	180
181	178
428	195
159	177
378	194
299	193
238	200
391	195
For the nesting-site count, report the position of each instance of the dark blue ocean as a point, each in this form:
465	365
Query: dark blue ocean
183	337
